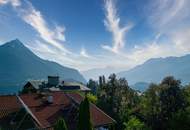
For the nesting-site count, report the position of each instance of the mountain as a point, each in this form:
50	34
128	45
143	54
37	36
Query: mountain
141	86
154	70
96	72
19	64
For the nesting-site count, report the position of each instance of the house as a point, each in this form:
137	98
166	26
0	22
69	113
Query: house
53	84
42	110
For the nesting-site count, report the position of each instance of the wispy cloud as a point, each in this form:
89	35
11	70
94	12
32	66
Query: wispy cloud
164	14
14	3
84	53
54	36
112	23
29	14
167	18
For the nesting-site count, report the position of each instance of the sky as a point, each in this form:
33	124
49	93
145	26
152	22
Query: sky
87	34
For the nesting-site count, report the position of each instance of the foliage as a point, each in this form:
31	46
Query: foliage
134	124
60	125
92	98
164	106
93	86
84	122
116	98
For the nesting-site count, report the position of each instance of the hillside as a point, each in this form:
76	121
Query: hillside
19	64
154	70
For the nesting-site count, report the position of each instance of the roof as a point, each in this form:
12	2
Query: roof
64	85
99	118
35	83
80	85
47	114
8	104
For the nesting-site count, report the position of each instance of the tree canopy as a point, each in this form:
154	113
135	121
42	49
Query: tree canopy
84	122
163	106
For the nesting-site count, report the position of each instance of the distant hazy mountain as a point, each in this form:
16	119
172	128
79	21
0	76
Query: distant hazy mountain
141	86
154	70
18	64
96	72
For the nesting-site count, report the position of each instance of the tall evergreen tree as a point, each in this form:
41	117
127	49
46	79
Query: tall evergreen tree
100	82
60	125
84	122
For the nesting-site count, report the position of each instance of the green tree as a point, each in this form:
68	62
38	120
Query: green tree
134	124
93	86
180	120
117	99
84	122
100	82
92	98
150	106
60	125
171	98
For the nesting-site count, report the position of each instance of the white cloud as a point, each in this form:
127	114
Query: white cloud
84	53
164	14
181	39
52	36
167	18
14	3
112	23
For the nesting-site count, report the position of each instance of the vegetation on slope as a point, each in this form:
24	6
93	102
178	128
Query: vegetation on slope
163	106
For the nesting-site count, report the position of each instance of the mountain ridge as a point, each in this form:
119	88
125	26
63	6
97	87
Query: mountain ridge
20	64
155	69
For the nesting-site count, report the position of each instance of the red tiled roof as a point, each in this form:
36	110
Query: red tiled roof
34	100
47	114
99	118
8	104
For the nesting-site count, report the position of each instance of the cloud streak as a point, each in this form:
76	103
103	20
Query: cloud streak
14	3
54	36
112	23
84	53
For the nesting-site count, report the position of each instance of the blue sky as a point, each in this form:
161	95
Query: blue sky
87	34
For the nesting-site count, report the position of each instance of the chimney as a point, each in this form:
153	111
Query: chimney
53	80
50	99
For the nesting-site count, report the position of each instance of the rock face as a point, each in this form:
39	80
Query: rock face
18	64
154	70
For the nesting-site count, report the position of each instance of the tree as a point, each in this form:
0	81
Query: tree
161	102
92	98
103	80
84	122
117	99
180	120
93	86
60	125
100	82
134	124
150	106
171	99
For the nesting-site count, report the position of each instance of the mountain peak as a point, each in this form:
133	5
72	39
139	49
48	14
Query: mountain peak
16	43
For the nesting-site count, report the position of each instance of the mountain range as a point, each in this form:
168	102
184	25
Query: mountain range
154	70
96	72
19	64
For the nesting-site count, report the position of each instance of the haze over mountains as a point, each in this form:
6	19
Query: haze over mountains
19	64
96	72
154	70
